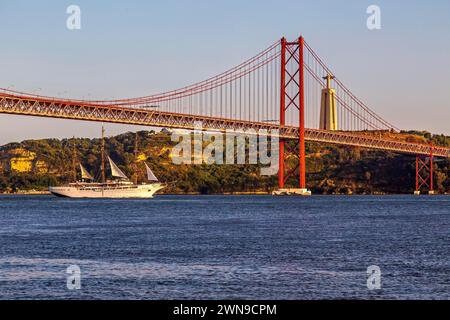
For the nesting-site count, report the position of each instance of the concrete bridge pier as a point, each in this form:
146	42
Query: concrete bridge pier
292	192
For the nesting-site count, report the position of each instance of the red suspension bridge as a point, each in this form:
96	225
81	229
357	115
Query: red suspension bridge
281	88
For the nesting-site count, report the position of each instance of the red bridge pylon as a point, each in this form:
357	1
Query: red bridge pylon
292	95
424	173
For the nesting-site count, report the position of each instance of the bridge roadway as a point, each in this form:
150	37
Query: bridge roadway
81	110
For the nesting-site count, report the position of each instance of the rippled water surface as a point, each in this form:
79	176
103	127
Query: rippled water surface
225	247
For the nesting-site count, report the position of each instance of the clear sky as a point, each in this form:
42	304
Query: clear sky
134	48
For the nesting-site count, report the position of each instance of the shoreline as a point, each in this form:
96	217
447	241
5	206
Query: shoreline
25	193
257	193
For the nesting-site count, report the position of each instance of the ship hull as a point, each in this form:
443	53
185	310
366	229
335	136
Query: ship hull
143	191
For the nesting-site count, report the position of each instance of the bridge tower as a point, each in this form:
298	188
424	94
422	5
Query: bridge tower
292	97
328	110
424	173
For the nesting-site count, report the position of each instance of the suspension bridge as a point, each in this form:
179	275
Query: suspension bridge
285	88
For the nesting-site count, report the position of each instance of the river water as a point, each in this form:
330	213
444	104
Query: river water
225	247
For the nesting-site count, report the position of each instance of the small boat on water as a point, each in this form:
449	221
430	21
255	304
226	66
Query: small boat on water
119	187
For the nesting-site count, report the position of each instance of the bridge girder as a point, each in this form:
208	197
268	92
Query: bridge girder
28	106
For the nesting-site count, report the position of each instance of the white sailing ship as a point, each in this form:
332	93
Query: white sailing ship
120	187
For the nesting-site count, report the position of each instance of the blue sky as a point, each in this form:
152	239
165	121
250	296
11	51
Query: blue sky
133	48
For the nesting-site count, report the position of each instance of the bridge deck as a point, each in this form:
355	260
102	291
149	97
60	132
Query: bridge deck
78	110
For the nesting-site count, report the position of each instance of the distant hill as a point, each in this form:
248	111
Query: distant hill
36	164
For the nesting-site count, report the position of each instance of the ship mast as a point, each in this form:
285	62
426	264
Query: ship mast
74	160
103	155
135	175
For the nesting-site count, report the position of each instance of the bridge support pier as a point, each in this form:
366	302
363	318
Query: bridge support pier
292	95
424	173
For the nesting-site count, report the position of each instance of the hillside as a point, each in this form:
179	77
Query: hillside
36	164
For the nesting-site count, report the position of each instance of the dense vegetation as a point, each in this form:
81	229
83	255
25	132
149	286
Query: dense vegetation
331	169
